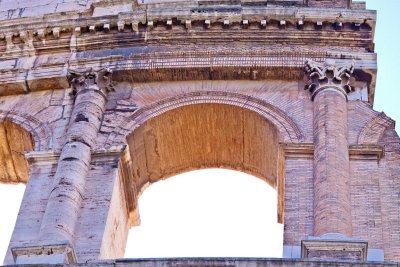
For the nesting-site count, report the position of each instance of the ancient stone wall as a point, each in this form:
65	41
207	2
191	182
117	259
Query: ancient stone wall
118	95
298	212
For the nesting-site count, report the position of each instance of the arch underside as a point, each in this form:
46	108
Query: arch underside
202	136
40	132
14	141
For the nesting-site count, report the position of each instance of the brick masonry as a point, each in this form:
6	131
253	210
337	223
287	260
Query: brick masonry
232	90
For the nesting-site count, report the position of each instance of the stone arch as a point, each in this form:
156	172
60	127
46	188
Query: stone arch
274	125
40	132
372	132
288	129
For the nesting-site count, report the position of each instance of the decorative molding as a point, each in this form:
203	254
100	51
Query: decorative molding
27	38
298	150
334	246
329	75
366	152
182	63
306	150
51	156
40	254
52	31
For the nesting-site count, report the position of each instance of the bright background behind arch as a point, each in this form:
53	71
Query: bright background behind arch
207	213
10	200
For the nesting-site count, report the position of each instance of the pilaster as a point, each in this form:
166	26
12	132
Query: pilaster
329	85
68	189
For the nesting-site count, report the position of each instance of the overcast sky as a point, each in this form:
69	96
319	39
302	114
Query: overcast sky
217	213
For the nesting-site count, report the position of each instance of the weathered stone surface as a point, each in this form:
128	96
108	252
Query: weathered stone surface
195	84
236	262
14	141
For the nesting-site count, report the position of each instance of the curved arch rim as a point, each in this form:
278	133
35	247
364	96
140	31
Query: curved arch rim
373	130
39	131
288	129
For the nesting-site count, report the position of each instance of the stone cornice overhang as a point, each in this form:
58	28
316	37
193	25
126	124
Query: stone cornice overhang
356	152
89	41
68	21
257	13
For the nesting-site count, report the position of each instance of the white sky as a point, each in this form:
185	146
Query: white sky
190	196
208	213
10	200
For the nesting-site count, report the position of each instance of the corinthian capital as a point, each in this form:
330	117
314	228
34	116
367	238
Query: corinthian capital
91	80
329	75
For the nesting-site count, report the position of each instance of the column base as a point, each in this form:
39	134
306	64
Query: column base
62	253
334	247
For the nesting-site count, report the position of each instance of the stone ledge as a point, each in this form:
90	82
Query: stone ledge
59	31
231	262
363	151
334	246
45	157
44	254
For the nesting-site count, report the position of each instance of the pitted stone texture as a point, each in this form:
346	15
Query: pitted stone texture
11	9
299	200
329	3
35	198
234	262
333	246
331	165
87	114
252	72
68	189
63	207
290	98
103	223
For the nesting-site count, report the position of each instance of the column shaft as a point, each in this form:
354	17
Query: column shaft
332	205
66	196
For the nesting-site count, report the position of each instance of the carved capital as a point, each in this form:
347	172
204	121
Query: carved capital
329	75
89	79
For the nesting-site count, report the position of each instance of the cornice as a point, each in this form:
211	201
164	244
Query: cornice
160	38
22	36
51	157
293	15
356	152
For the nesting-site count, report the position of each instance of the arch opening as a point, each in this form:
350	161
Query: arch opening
200	136
207	213
14	174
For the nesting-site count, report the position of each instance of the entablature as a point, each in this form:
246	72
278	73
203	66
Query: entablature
180	63
126	26
153	42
